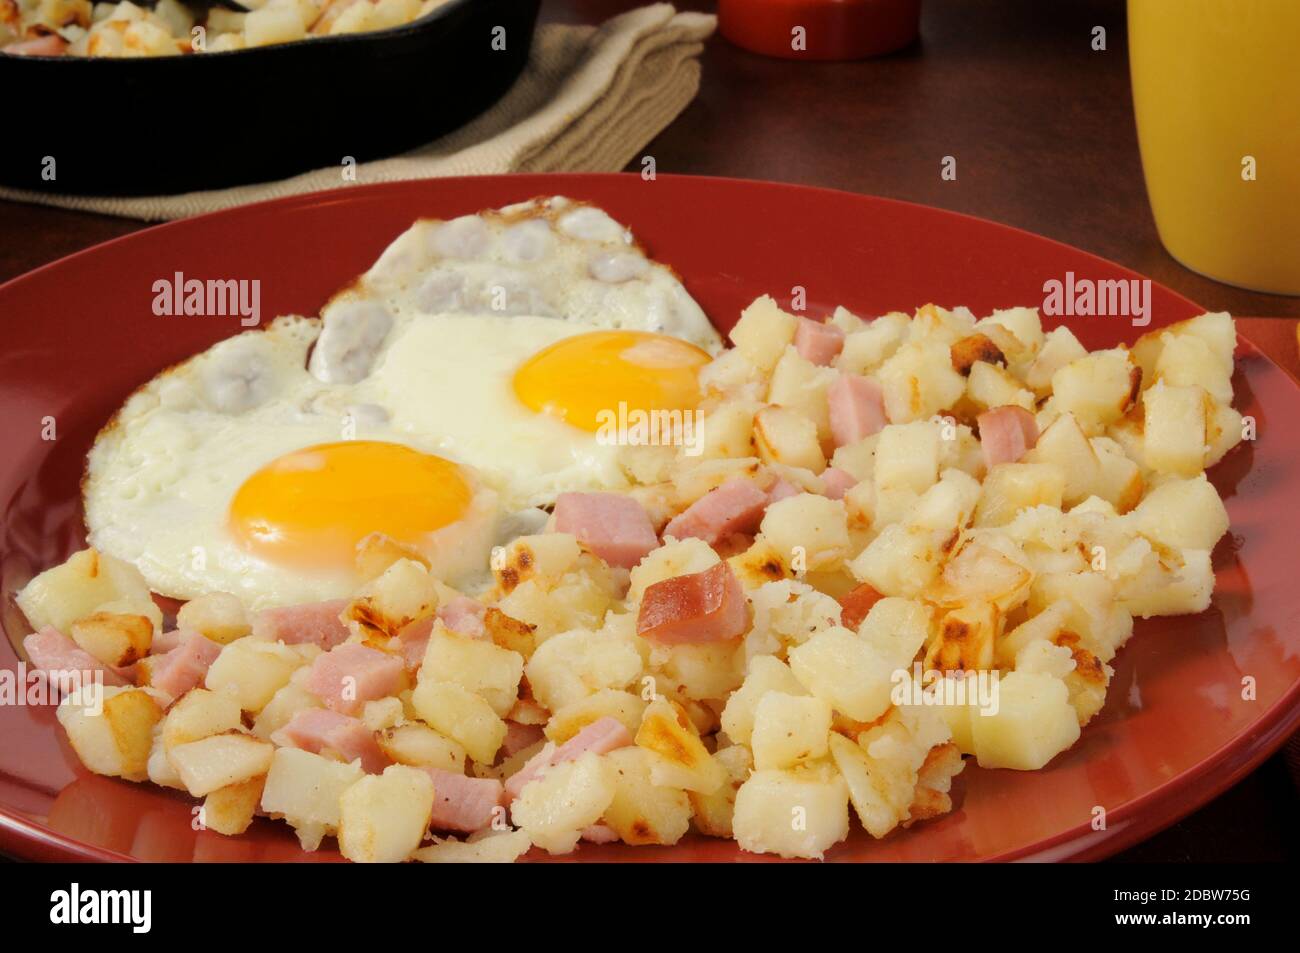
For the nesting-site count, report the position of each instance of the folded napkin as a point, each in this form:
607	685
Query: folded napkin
589	99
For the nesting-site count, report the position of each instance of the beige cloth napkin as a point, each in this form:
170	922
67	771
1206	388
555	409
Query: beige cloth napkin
589	99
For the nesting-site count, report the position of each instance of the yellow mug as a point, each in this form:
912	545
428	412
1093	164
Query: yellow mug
1216	92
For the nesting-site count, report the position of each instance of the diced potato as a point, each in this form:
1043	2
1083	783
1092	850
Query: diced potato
679	558
579	600
901	561
495	847
401	594
759	565
384	817
641	811
965	639
554	809
1012	487
1097	389
1060	347
907	457
1182	514
420	746
919	381
867	349
284	704
1093	615
733	375
572	665
220	760
896	629
813	526
1119	479
880	793
789	730
728	430
251	671
159	768
713	812
218	616
1024	323
707	670
197	714
147	38
275	24
788	613
305	790
606	703
462	716
1034	722
476	665
1174	428
799	384
1181	585
230	810
947	506
799	813
114	639
763	332
380	714
115	741
546	556
766	674
1186	360
81	586
785	436
1223	431
1064	446
981	573
846	672
990	386
678	757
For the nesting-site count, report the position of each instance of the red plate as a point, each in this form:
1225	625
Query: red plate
1176	730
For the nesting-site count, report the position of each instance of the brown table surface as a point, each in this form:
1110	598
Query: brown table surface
1042	129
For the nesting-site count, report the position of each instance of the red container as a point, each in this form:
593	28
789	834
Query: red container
831	29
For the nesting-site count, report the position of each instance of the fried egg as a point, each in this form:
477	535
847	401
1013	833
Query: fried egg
259	466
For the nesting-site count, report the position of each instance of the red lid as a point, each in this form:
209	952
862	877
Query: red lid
820	29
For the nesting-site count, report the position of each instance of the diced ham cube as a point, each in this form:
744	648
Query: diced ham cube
600	737
349	675
320	730
462	803
837	482
464	615
1006	433
614	527
706	606
316	622
857	408
519	737
49	45
165	642
65	663
413	641
855	604
818	342
734	507
780	490
184	667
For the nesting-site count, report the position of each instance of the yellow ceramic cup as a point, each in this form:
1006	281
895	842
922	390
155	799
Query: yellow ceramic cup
1216	91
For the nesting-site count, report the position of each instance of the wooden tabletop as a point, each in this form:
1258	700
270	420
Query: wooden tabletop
1041	128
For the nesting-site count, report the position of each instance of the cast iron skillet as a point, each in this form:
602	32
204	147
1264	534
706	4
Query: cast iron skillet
209	120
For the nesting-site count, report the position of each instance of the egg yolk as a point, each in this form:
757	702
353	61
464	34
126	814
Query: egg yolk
583	379
311	507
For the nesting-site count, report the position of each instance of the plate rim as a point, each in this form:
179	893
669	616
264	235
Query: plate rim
1128	824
